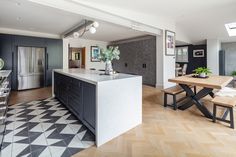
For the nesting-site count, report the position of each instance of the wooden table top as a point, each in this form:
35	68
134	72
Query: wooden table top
215	82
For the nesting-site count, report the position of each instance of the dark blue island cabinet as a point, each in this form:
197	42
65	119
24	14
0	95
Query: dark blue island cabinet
78	96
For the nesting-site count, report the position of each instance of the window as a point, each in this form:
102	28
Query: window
231	28
181	54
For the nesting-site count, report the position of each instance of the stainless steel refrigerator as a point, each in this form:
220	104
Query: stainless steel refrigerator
31	66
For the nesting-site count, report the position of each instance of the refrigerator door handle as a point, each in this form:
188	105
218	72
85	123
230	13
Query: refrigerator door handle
47	61
13	64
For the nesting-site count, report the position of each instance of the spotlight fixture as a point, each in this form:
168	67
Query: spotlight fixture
96	24
76	34
92	30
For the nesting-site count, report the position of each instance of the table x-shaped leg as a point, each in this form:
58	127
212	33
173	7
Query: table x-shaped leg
195	99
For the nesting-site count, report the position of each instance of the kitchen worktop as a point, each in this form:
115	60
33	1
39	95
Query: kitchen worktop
93	76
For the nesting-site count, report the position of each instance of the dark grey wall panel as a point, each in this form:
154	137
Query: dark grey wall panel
138	57
8	51
54	57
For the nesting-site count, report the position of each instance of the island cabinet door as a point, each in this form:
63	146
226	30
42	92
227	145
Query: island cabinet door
89	104
56	84
63	86
75	98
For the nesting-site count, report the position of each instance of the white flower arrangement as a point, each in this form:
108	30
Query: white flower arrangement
110	54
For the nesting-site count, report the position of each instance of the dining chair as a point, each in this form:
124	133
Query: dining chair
183	71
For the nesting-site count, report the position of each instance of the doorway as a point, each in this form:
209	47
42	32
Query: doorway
77	57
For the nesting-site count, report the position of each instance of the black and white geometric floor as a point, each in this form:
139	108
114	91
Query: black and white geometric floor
44	128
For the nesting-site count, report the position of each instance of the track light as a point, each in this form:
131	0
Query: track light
83	28
76	34
96	24
92	30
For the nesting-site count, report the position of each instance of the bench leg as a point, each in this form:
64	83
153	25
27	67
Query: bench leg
165	100
174	102
214	113
232	118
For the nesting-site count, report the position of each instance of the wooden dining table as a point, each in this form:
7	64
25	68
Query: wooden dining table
207	84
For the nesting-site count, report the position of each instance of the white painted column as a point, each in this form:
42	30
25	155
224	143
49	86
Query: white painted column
168	66
65	53
213	48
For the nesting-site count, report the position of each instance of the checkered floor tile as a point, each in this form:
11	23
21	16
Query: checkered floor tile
44	128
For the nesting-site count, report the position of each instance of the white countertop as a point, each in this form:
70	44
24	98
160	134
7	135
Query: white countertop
5	73
93	76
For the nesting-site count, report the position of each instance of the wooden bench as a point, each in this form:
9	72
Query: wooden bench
173	91
228	103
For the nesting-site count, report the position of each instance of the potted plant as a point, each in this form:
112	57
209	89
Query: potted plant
107	56
202	72
234	75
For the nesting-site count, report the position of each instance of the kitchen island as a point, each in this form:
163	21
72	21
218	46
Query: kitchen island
107	105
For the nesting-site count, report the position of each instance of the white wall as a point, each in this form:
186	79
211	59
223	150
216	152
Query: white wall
83	43
213	48
165	64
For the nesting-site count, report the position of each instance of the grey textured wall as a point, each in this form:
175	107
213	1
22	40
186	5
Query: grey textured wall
230	57
138	57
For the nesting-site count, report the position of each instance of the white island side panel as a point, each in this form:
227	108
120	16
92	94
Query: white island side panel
119	107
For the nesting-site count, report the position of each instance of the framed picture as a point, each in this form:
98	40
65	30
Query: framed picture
95	54
198	53
170	43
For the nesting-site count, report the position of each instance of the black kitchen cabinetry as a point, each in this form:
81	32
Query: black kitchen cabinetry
89	101
8	52
78	96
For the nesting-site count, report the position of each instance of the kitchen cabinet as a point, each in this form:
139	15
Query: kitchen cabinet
102	103
75	97
89	104
138	57
78	96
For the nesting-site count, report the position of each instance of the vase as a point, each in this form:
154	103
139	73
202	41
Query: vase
108	68
203	75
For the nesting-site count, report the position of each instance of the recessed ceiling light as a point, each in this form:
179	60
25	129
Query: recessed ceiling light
231	29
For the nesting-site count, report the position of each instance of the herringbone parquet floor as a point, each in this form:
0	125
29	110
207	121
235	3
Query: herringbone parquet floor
165	133
169	133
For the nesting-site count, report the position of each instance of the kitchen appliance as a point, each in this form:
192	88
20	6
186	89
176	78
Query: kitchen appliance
31	67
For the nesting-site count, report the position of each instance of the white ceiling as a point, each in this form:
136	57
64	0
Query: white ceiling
35	17
25	15
198	19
